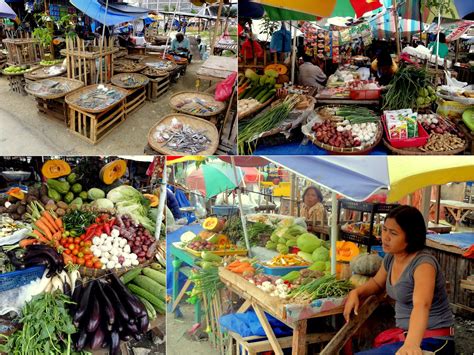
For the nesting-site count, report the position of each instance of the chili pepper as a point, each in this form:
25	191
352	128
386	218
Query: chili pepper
89	233
98	220
112	223
106	229
99	231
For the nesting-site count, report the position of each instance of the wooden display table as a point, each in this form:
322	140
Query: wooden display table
22	51
296	316
216	68
344	101
134	100
459	210
17	83
157	86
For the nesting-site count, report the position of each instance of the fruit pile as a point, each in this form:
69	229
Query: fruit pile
201	245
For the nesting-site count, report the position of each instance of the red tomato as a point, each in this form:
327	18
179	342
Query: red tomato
88	243
89	263
81	261
68	252
95	259
70	240
97	264
88	257
80	255
81	243
75	252
77	240
83	237
86	250
71	246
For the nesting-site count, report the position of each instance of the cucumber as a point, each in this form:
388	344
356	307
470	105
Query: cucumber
243	93
137	290
156	266
155	275
261	94
130	275
150	286
268	96
150	310
252	92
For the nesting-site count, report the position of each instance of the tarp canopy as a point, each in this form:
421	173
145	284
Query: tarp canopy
125	8
353	177
95	10
6	11
409	173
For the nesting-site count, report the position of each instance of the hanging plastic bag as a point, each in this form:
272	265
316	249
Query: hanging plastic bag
224	88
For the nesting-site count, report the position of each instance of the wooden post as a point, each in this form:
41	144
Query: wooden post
438	200
219	12
397	27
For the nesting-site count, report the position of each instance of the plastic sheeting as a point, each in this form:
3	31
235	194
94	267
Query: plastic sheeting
98	12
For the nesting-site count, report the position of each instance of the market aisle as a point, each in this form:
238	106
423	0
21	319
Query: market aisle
26	132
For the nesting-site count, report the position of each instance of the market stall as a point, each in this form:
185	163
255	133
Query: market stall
79	256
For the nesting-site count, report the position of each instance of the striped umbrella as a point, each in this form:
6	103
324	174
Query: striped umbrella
6	11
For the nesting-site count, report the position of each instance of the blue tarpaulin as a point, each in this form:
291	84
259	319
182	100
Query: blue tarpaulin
460	240
354	177
247	324
110	17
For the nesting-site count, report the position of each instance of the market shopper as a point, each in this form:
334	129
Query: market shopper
310	74
384	67
412	277
313	208
443	47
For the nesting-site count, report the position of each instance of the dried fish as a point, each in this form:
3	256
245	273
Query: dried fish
100	97
182	138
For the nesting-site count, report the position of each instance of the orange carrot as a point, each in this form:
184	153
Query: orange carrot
50	219
67	259
25	242
44	228
59	223
47	223
57	235
40	237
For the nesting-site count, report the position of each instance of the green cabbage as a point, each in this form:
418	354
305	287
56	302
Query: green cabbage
103	203
318	266
321	254
308	242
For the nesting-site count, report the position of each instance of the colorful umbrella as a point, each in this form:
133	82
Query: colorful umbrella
6	11
309	10
212	180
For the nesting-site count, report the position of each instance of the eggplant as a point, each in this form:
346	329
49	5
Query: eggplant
94	318
106	304
132	303
14	260
76	293
124	336
97	338
119	307
84	302
81	341
143	324
114	343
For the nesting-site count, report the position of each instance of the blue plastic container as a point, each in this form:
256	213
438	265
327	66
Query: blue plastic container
379	250
280	271
225	210
14	279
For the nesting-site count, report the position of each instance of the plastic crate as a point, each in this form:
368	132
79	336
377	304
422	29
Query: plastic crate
14	279
280	271
407	142
225	210
360	239
358	94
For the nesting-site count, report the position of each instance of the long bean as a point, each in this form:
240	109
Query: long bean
404	88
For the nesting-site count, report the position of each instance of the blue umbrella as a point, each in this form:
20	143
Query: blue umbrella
6	11
98	12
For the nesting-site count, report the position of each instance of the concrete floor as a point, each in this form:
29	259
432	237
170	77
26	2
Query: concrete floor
24	131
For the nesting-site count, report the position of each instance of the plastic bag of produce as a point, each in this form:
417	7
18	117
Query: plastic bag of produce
224	88
450	109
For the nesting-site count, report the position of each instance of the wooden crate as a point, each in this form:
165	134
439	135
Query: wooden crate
23	51
157	87
17	84
55	108
93	127
135	100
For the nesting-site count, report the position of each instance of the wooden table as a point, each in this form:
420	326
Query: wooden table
439	228
343	101
262	302
458	209
216	68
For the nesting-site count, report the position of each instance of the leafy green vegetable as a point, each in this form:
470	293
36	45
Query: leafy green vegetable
259	233
77	220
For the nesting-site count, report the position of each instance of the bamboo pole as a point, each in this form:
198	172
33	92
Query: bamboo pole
397	27
219	12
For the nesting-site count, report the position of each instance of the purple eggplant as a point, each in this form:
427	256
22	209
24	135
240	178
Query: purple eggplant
119	307
81	341
84	302
94	317
133	305
114	343
98	338
106	304
143	324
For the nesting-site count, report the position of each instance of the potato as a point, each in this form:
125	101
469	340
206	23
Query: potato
60	212
62	205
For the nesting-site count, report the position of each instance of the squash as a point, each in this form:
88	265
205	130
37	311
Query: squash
55	168
345	251
283	79
358	280
279	68
213	224
366	264
153	199
113	171
205	235
16	193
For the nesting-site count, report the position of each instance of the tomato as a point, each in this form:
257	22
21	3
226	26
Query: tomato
77	240
97	264
81	261
71	246
88	243
89	263
68	252
80	255
95	259
83	237
75	252
81	243
74	259
88	256
70	240
86	250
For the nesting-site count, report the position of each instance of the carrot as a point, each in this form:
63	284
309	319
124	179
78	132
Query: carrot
47	216
67	259
40	237
47	223
45	229
25	242
59	223
57	235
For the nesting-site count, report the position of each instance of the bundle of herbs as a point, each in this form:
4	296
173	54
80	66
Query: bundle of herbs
259	233
404	88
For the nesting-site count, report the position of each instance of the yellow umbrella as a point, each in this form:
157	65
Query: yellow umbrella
170	160
410	173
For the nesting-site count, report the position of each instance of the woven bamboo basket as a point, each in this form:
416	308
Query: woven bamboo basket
98	273
153	72
72	98
72	83
196	123
255	110
127	66
41	73
139	79
22	73
165	65
320	112
177	99
417	151
135	57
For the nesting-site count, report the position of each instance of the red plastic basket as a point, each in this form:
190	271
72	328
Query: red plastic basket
357	94
407	142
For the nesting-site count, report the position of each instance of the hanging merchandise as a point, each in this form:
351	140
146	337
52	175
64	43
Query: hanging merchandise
281	40
335	47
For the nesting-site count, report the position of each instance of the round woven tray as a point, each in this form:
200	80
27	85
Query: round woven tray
154	73
71	98
22	73
127	66
155	63
140	79
96	273
348	151
416	151
196	123
72	83
324	117
40	73
135	57
255	110
208	99
58	62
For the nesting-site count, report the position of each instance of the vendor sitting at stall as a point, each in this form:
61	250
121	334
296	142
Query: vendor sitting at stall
313	209
384	67
310	74
412	276
180	46
443	47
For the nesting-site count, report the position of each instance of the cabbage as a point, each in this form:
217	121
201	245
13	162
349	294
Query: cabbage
308	242
306	256
321	254
103	203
